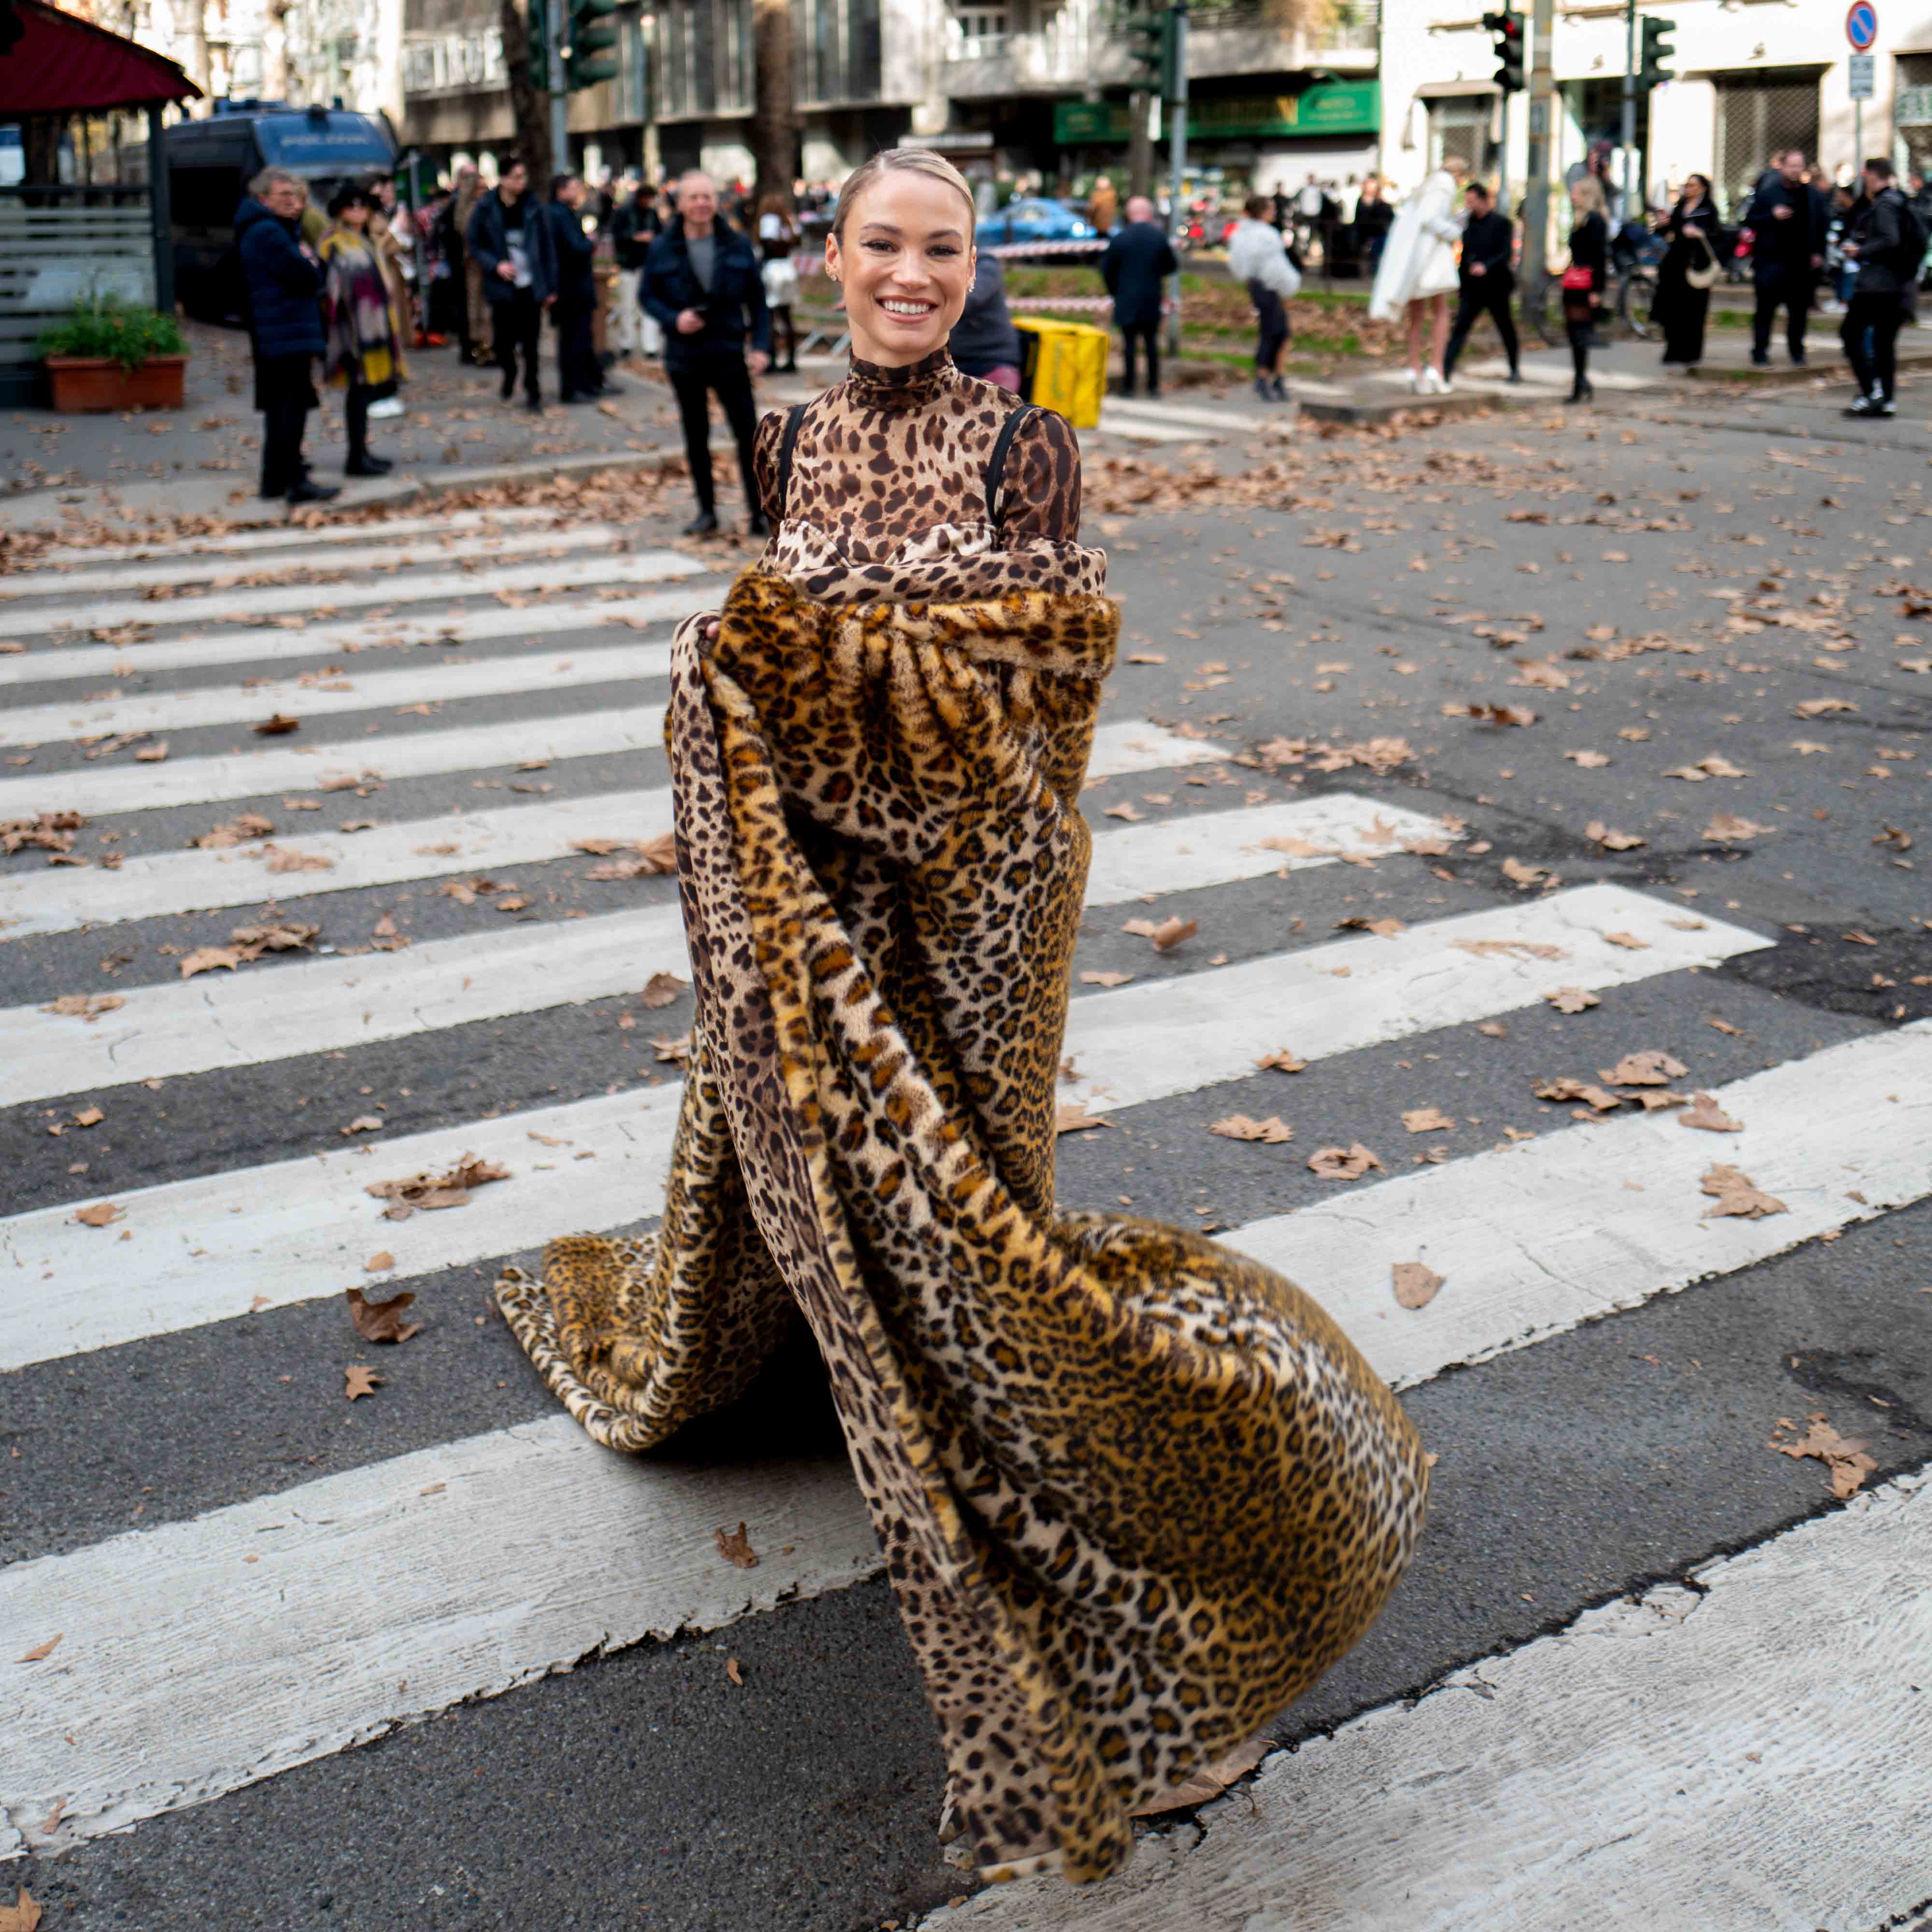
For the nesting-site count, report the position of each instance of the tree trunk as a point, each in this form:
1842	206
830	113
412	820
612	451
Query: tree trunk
775	117
275	50
40	137
530	103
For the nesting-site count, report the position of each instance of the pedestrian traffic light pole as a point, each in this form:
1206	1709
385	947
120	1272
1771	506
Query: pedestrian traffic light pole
1176	109
559	98
1536	174
1506	32
1629	130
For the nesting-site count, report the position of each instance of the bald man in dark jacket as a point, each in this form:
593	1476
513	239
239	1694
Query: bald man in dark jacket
1136	261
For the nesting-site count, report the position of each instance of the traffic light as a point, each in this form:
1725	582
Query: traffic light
1150	34
1657	48
536	45
1507	29
591	56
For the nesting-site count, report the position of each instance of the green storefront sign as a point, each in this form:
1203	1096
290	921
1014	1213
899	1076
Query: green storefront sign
1326	107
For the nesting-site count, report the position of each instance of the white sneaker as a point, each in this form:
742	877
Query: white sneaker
388	406
1415	381
1443	386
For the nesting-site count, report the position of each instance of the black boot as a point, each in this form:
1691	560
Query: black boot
1582	392
704	524
306	492
366	465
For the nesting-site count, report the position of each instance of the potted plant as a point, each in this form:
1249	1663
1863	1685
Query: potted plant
113	355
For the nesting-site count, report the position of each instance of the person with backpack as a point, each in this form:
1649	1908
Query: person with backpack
1888	245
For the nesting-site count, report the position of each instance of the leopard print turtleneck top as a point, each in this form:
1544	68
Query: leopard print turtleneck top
886	497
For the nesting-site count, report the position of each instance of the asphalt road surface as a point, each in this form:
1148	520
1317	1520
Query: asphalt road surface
1553	788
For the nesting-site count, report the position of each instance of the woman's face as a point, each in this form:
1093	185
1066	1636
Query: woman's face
355	216
906	262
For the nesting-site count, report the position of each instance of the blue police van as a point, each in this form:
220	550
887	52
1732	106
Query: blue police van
211	162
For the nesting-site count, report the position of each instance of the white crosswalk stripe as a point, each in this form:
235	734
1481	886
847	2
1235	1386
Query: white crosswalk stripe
391	556
295	537
204	1654
426	680
531	580
1211	850
191	650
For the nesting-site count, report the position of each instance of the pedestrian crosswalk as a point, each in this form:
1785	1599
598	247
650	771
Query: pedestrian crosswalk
203	1653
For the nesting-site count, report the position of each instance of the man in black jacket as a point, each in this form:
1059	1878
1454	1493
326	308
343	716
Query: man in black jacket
1888	267
512	242
284	280
1136	259
701	285
580	376
1488	279
1787	251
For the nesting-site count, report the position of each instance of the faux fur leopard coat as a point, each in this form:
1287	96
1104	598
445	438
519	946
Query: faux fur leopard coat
1135	1492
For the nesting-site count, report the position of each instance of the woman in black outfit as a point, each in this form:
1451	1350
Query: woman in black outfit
1692	229
1583	279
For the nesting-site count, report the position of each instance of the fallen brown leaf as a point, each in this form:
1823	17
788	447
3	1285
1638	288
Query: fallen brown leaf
1202	1785
1652	1067
1415	1285
1736	1193
1704	1112
1847	1459
1383	929
234	831
735	1546
102	1214
1171	932
24	1915
1509	949
1629	941
1817	707
1428	1120
661	989
276	725
1571	999
733	1670
381	1320
1726	828
1071	1116
379	1262
89	1116
206	958
677	1051
358	1380
1611	841
1589	761
88	1007
435	1190
281	859
1240	1127
1565	1087
41	1651
1090	979
1348	1163
1281	1061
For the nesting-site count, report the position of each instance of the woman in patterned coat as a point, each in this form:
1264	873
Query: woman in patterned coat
1134	1491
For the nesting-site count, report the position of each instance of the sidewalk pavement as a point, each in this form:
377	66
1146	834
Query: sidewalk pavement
202	461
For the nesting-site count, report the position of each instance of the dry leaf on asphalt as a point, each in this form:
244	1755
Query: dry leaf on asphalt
1817	707
735	1671
381	1320
735	1546
206	958
1736	1193
1348	1163
1072	1116
1383	929
24	1915
89	1116
41	1650
1491	713
450	1190
279	858
274	726
379	1262
1125	809
1567	1088
1428	1120
358	1380
153	755
677	1051
1571	999
1168	934
102	1214
1415	1285
1494	1029
1518	873
1091	978
88	1006
363	1123
1610	841
1281	1061
1210	1781
1704	1112
234	831
1240	1127
1726	828
661	989
1628	941
1845	1457
1589	761
1509	949
1652	1067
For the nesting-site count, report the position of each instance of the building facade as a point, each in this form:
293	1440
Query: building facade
1752	76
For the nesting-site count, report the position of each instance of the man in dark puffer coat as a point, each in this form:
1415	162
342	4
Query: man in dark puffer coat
285	282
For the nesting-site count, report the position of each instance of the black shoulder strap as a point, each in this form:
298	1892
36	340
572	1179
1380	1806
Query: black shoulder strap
996	464
794	416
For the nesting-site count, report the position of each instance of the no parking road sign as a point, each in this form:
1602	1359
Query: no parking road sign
1861	26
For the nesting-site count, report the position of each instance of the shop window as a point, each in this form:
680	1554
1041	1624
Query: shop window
1760	115
1458	124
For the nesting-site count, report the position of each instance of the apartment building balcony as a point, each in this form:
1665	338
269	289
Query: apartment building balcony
1051	47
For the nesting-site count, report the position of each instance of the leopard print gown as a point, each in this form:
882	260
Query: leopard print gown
1134	1491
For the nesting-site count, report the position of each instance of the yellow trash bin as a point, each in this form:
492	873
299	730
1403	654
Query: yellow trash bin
1063	367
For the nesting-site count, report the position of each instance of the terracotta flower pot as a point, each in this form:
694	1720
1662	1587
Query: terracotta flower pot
89	385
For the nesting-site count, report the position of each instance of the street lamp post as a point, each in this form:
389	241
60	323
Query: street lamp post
1178	162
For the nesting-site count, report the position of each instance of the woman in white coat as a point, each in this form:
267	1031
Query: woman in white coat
1418	270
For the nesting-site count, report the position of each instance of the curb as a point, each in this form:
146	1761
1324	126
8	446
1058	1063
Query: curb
1385	408
1833	369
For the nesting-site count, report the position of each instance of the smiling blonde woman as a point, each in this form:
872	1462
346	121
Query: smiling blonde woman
1134	1491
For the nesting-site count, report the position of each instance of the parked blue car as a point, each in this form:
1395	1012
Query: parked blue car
1034	220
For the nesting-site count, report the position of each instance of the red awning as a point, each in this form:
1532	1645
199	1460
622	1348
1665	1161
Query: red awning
64	65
